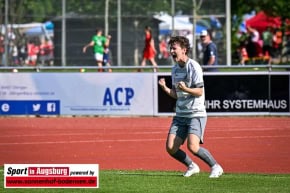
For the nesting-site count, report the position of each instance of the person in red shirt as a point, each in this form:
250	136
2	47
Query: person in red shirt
149	51
2	45
164	53
32	50
46	52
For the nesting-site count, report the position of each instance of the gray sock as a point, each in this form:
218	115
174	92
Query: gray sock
182	157
206	156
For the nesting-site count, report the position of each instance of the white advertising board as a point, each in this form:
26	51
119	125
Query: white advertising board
76	93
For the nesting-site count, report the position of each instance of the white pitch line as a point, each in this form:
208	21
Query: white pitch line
105	132
81	141
133	140
138	133
78	134
251	137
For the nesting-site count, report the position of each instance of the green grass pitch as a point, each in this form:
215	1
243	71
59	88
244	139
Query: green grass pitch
113	181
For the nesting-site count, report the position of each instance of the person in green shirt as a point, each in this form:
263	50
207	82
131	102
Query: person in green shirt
98	43
267	37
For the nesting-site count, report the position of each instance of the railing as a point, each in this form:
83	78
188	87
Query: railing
136	68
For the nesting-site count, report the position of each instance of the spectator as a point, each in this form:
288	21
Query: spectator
22	48
210	57
253	47
164	53
277	42
267	38
241	50
46	52
2	46
11	35
241	55
49	52
286	52
13	53
42	51
32	50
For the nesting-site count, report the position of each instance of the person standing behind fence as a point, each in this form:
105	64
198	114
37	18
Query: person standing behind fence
210	56
190	119
106	56
253	47
2	46
33	51
98	42
149	50
277	42
46	52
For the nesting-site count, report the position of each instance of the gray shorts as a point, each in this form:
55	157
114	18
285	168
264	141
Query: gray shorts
182	126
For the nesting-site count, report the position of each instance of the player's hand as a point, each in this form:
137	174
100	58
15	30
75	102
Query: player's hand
181	85
84	49
162	82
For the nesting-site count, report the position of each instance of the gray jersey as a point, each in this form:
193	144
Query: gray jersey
188	105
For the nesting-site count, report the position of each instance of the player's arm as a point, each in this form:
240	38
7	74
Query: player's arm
212	56
108	39
167	90
211	60
153	44
198	91
88	45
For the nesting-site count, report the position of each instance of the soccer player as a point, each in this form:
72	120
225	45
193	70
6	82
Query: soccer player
99	42
190	119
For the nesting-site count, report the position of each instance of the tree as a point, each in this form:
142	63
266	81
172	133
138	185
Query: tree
270	7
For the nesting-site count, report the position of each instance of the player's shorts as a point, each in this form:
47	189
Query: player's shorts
99	57
106	58
182	126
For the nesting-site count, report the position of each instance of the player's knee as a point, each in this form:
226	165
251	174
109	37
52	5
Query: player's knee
193	148
171	149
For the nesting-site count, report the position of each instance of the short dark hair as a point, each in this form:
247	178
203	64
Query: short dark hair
147	27
98	30
182	41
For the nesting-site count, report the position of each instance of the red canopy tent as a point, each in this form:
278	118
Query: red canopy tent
261	21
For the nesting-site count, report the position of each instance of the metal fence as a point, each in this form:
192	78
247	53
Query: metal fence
125	21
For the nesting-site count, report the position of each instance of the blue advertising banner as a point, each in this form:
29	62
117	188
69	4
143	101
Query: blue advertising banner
29	107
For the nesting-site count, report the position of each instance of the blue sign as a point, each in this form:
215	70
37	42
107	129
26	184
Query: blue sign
29	107
122	96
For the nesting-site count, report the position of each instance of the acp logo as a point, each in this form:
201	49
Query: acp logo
119	96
